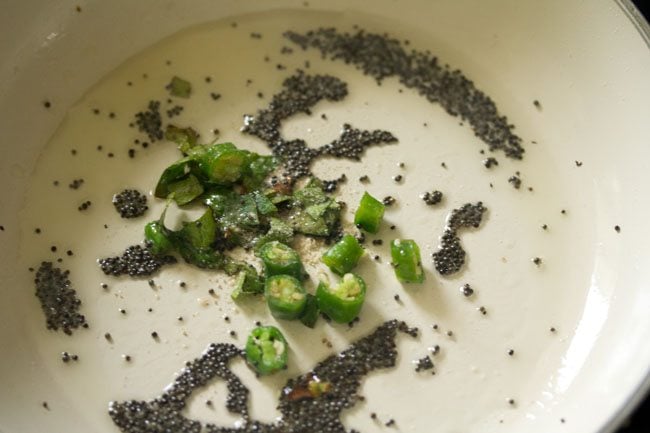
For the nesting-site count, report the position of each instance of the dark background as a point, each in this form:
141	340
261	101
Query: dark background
640	420
642	8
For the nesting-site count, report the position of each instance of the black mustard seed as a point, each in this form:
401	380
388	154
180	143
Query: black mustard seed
467	290
135	261
299	94
423	363
490	162
343	371
432	198
450	256
149	121
515	181
59	301
381	56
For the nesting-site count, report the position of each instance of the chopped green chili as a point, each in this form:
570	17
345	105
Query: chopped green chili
179	87
195	242
285	297
243	210
185	138
343	302
173	173
200	233
248	283
264	205
369	214
405	254
278	231
155	234
185	190
280	259
310	313
222	163
267	350
314	212
219	199
344	255
257	168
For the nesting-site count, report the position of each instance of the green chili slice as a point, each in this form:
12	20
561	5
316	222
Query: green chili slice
179	87
222	163
369	214
285	297
156	234
267	350
312	211
405	254
257	168
344	255
185	138
264	205
247	283
343	302
185	190
310	313
280	259
173	173
279	231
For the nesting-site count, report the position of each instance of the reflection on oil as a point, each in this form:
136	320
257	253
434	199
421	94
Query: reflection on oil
586	334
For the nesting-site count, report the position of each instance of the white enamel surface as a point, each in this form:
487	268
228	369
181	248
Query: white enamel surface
586	63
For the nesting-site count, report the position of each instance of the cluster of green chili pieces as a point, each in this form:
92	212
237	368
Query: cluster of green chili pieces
243	209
